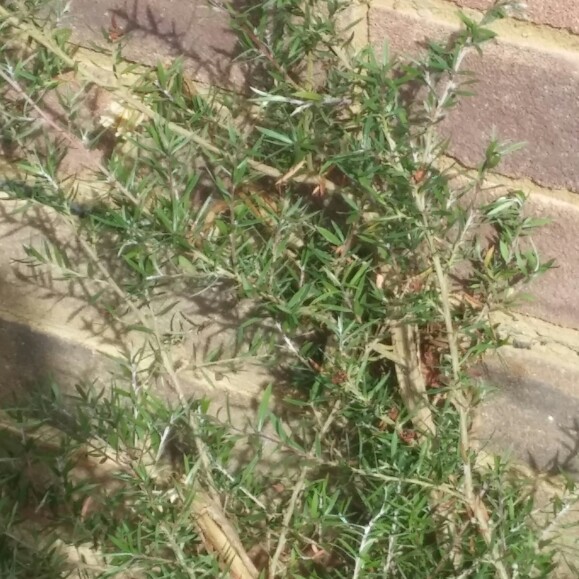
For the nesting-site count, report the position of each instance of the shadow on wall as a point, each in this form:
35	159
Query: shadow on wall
157	30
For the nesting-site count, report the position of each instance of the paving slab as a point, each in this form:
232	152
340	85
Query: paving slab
530	416
531	409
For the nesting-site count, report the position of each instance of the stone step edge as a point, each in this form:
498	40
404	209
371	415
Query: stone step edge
531	333
61	336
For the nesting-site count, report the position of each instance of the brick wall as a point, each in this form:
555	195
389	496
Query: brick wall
528	91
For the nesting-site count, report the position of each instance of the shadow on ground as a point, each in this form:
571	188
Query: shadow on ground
531	416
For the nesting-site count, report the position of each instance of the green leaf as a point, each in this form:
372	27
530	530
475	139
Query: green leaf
161	75
535	222
263	411
275	136
504	249
308	95
299	297
480	35
329	236
186	265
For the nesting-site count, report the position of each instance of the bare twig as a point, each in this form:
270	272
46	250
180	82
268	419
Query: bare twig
287	517
458	395
365	542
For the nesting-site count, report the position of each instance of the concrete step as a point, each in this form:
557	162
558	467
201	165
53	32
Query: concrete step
52	326
531	411
530	415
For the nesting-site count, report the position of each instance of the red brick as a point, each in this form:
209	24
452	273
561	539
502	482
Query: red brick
557	13
160	30
522	94
552	295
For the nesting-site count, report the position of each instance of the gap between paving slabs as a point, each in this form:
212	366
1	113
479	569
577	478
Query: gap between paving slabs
413	391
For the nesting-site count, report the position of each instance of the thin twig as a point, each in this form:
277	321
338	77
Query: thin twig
296	494
365	541
177	551
458	396
287	517
152	324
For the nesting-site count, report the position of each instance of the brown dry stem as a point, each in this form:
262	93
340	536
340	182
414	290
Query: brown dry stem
406	348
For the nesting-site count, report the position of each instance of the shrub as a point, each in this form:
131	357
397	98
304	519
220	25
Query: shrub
323	196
